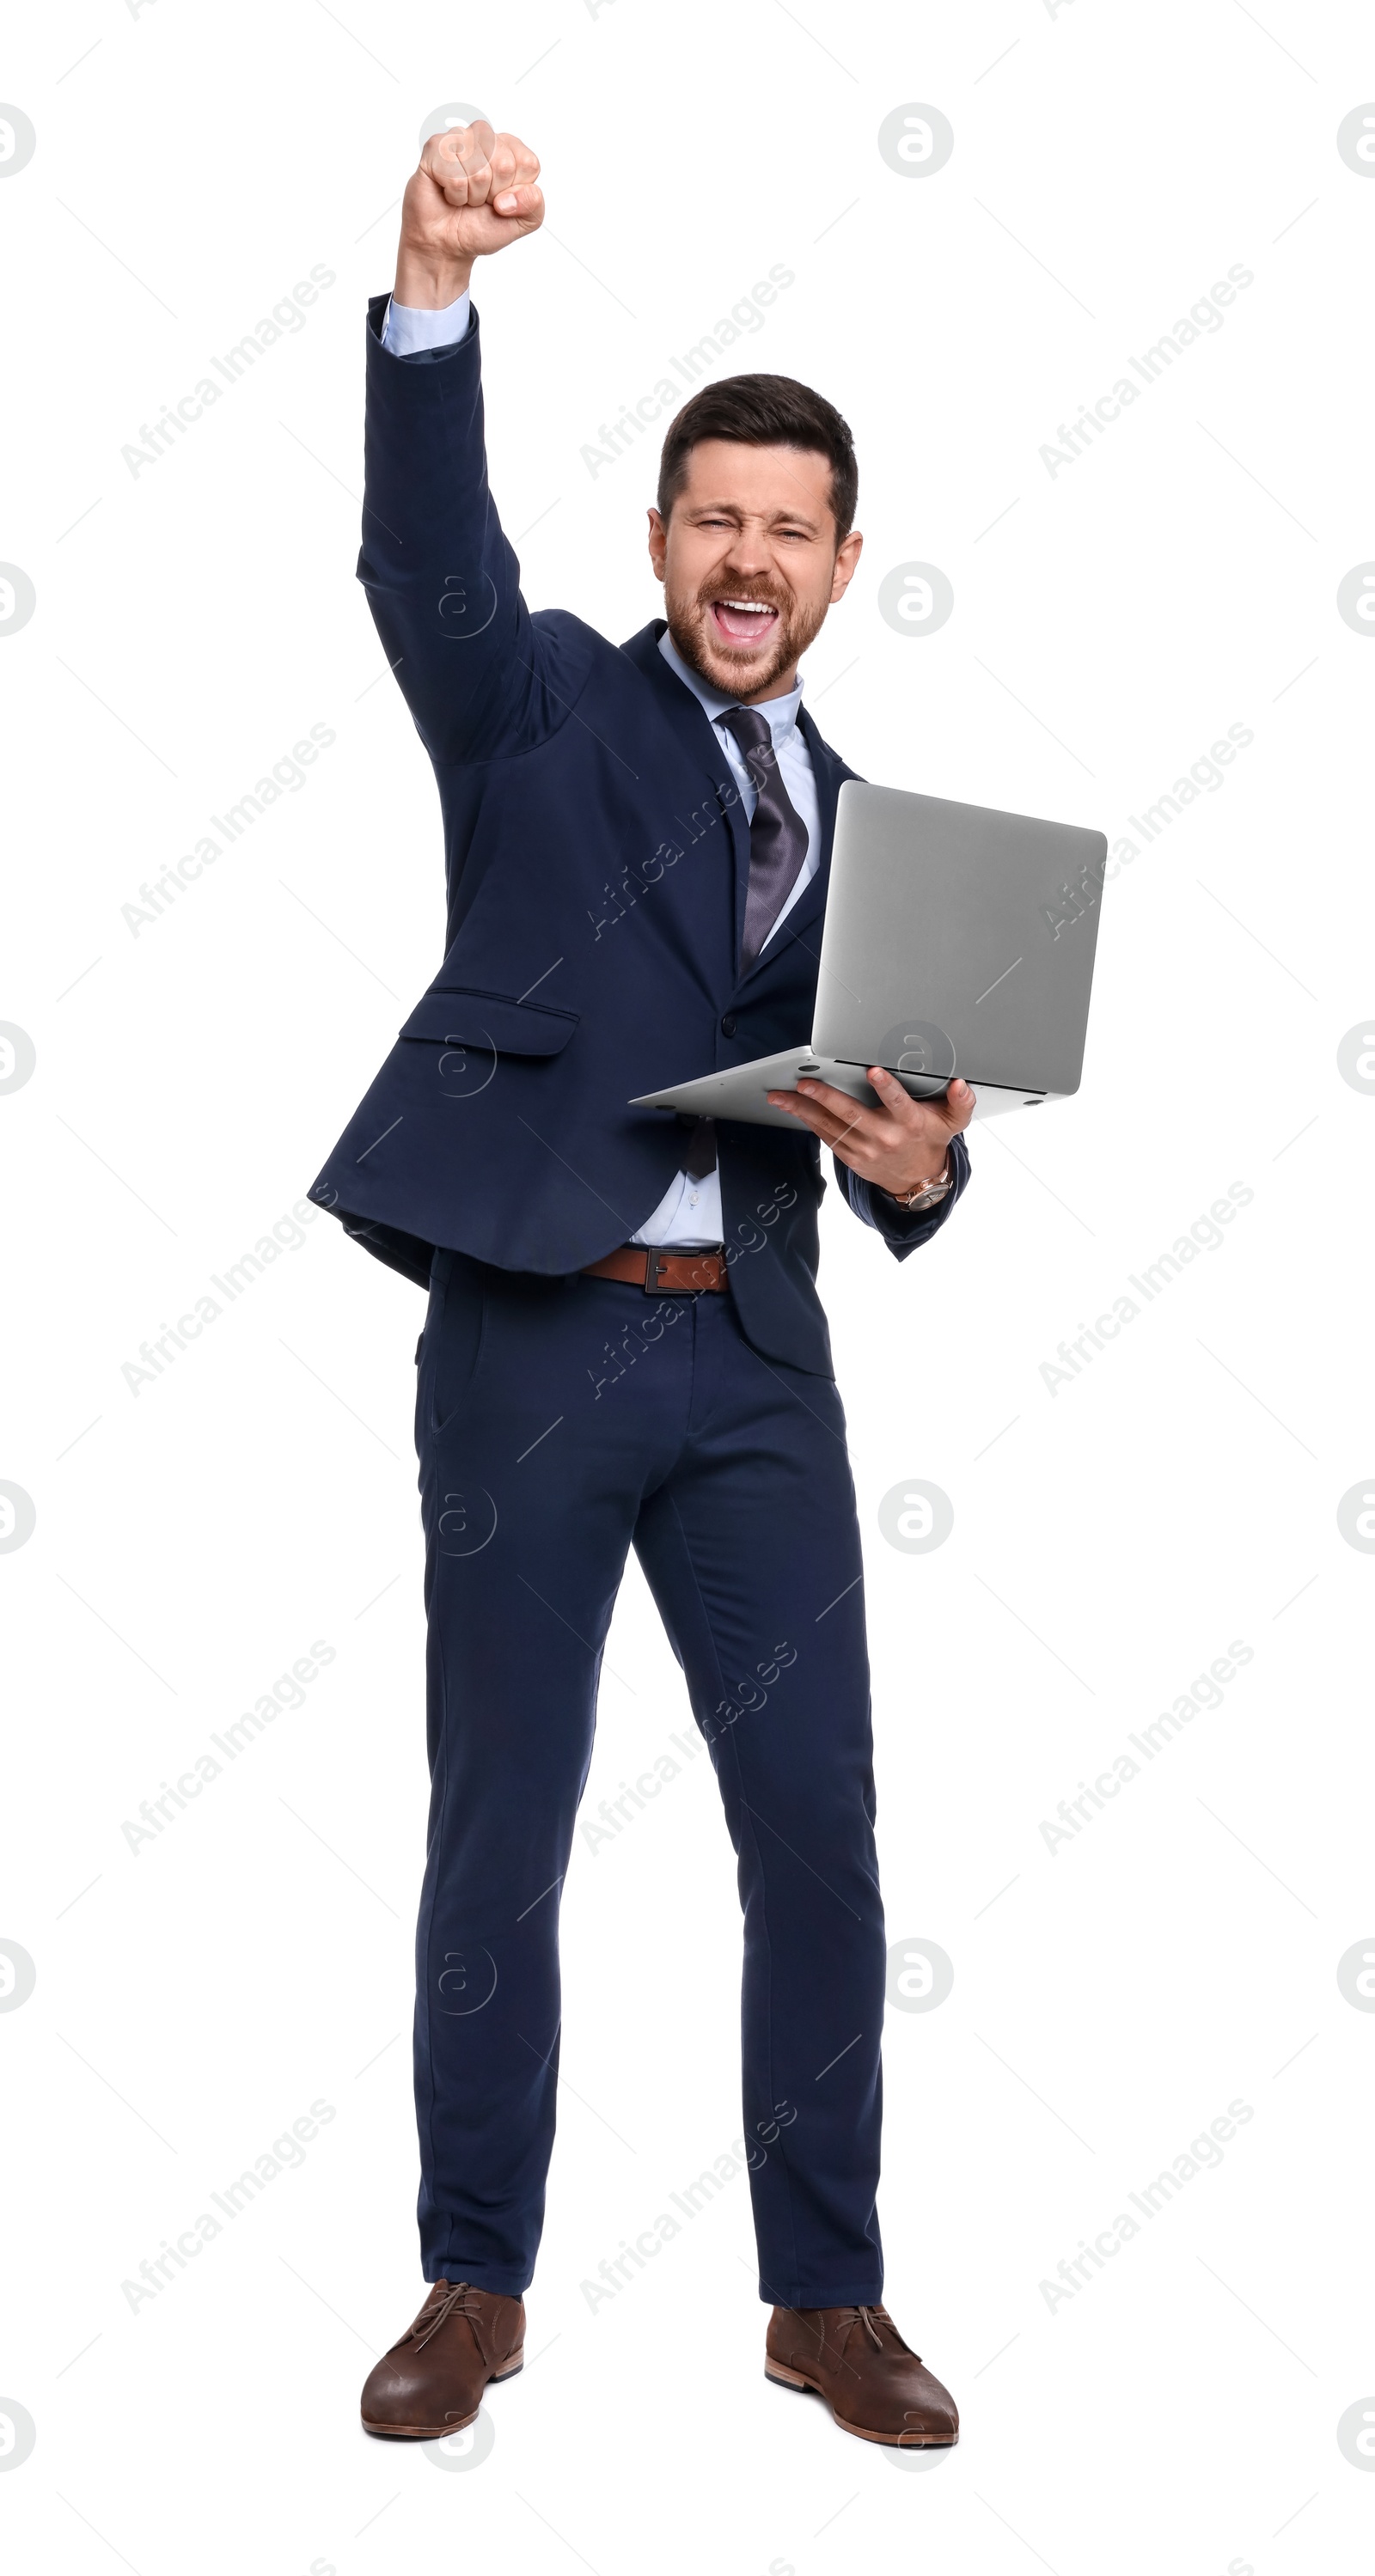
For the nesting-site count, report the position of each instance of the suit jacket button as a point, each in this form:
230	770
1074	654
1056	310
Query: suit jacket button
728	1025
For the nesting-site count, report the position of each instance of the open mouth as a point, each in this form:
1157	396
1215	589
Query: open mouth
744	621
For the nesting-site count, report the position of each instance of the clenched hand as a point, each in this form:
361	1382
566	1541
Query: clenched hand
473	193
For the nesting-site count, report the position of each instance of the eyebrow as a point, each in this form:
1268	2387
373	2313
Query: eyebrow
732	510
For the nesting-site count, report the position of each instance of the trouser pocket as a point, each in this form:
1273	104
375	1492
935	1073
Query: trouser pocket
451	1345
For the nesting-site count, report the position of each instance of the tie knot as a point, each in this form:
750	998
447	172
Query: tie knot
753	733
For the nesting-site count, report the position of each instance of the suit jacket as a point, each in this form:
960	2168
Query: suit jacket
597	857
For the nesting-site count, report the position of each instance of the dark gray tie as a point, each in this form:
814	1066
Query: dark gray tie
778	846
778	835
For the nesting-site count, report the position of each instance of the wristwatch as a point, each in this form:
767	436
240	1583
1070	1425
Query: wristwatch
924	1194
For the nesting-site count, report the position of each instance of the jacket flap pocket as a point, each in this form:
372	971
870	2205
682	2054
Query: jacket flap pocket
461	1015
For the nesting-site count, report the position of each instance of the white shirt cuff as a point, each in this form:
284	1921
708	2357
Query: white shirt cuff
408	328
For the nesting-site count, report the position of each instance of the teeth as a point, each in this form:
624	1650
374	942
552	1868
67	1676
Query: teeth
754	607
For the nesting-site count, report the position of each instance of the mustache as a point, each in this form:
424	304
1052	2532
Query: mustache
761	594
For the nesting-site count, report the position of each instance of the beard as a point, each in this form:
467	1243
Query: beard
743	668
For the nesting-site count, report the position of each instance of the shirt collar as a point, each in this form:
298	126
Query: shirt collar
781	712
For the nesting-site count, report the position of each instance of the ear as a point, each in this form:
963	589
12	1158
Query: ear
658	543
847	557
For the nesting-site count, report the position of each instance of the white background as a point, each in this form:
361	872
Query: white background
1110	1538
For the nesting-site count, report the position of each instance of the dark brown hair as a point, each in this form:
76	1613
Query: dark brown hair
763	411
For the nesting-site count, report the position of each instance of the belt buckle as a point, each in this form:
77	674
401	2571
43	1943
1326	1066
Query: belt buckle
657	1259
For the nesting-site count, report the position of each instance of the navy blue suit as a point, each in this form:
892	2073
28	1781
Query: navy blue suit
597	860
598	856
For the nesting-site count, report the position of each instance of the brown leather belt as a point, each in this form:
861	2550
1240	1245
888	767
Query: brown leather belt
661	1273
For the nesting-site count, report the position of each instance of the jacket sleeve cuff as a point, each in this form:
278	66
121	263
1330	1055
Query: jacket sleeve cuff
903	1229
393	348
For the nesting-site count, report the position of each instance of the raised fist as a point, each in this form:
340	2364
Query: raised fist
473	193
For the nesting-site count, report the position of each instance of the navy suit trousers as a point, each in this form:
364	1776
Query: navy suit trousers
559	1422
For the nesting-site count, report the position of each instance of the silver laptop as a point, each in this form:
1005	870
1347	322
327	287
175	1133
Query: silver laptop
957	940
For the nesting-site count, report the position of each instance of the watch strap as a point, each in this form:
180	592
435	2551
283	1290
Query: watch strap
925	1193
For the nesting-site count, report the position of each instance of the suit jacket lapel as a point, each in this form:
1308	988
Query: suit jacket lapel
694	729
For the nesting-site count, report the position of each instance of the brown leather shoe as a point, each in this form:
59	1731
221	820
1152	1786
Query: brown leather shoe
873	2382
431	2382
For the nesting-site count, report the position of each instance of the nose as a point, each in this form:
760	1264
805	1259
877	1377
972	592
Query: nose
749	554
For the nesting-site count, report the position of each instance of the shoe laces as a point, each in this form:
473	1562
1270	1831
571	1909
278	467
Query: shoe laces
864	2316
846	2320
455	2299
